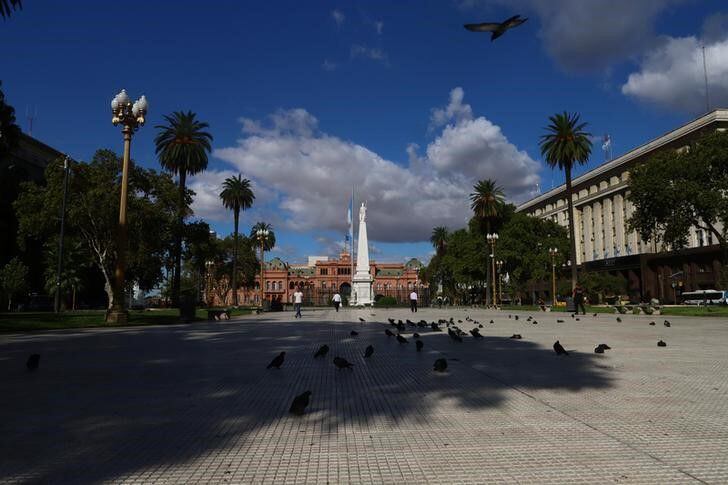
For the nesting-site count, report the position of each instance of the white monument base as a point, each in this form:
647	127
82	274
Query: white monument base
362	291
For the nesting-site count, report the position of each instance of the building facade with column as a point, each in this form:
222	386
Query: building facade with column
320	279
603	240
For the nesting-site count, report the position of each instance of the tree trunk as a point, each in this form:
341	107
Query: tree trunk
10	302
73	299
109	292
178	240
572	236
235	259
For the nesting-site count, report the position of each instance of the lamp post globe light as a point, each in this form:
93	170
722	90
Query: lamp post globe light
553	252
262	235
130	116
492	239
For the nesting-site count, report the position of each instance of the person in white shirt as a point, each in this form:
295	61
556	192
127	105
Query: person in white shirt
298	301
337	301
413	301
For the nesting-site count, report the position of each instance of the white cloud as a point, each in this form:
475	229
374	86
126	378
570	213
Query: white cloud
454	111
328	65
362	51
379	27
309	174
338	17
672	74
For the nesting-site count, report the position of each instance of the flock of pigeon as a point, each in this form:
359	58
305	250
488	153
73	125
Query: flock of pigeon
300	402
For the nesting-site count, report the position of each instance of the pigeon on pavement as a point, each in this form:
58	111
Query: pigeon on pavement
277	362
368	351
342	363
419	344
440	365
559	349
661	344
401	339
322	351
298	406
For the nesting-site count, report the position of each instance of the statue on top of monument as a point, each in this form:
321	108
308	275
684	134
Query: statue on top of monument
362	212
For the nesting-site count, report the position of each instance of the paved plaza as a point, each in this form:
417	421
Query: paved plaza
190	403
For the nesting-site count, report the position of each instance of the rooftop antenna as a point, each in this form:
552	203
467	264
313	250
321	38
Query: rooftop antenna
30	115
705	76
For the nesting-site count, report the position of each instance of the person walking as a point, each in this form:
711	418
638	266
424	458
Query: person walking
579	299
297	301
413	301
337	301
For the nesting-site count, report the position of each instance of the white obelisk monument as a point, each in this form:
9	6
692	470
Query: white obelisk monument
362	280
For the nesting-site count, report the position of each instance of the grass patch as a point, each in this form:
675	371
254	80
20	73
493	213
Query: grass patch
31	321
559	309
694	311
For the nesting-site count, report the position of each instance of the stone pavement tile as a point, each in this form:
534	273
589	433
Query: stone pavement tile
196	404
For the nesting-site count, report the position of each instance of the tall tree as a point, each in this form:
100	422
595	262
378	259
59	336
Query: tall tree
439	239
236	195
13	279
564	145
9	130
92	209
487	203
270	241
673	192
182	146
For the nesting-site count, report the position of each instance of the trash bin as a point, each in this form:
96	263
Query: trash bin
570	305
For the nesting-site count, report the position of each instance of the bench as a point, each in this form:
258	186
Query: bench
218	315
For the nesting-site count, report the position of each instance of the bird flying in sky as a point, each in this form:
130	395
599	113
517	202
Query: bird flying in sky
496	29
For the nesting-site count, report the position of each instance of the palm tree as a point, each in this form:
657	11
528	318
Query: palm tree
7	6
182	146
487	203
270	241
565	144
439	239
236	195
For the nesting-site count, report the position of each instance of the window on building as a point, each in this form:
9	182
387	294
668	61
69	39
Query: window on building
323	285
701	237
267	285
324	271
280	285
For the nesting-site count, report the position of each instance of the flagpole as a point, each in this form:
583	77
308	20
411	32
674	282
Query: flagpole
351	234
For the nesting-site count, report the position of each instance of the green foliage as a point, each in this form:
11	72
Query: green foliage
182	144
439	239
564	144
386	301
93	210
523	246
75	260
9	130
7	6
236	195
487	199
601	284
13	279
673	192
270	241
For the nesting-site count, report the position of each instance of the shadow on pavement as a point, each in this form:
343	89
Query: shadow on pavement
107	404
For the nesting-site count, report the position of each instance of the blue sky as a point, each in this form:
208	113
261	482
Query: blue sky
308	98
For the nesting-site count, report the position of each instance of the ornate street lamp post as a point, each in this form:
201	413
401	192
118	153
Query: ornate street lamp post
492	238
262	235
499	288
553	252
209	299
130	117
